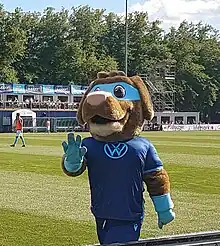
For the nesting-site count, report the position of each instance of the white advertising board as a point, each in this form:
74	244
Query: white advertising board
194	127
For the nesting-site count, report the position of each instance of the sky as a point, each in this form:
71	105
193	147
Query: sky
170	12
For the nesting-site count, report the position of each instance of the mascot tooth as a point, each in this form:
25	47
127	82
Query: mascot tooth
119	161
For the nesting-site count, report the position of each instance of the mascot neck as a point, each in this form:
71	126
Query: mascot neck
118	136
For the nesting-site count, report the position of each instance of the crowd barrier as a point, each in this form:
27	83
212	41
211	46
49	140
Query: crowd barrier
38	105
194	239
57	124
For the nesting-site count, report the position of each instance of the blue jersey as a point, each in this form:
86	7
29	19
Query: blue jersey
115	173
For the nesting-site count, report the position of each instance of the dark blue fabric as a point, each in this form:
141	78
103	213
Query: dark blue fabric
115	173
116	231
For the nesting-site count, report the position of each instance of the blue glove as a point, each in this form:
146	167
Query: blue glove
163	206
74	153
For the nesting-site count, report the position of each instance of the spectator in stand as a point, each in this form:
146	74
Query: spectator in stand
48	103
27	103
58	104
16	102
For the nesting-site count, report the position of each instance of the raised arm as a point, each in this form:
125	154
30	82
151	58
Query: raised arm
73	161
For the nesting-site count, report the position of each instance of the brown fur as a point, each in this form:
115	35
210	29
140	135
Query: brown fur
147	106
157	182
103	74
137	111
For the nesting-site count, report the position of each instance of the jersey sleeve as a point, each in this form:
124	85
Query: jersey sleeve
152	161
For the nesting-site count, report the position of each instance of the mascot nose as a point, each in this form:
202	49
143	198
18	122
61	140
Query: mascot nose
97	97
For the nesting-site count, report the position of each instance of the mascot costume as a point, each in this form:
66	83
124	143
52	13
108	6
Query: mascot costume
119	161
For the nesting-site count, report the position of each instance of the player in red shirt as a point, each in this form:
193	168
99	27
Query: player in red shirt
18	126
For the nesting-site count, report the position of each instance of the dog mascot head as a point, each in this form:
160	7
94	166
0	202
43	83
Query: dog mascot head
115	106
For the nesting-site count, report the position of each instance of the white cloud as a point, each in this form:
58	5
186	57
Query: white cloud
173	12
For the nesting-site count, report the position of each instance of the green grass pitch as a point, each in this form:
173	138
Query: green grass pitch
40	205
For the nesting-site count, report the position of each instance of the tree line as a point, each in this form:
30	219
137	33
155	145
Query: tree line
72	46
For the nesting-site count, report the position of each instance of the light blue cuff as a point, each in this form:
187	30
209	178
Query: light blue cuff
162	203
153	170
72	168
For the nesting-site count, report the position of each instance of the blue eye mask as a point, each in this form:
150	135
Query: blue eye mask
119	90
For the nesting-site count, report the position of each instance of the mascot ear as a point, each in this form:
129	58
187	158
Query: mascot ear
102	75
116	73
79	114
147	106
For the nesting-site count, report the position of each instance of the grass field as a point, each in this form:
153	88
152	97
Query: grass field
40	205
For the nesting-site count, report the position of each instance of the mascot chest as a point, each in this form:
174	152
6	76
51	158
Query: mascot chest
114	159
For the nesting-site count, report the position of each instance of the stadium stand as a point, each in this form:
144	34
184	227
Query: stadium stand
38	105
60	104
40	97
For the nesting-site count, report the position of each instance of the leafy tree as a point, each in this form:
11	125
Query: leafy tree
62	47
196	50
12	43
